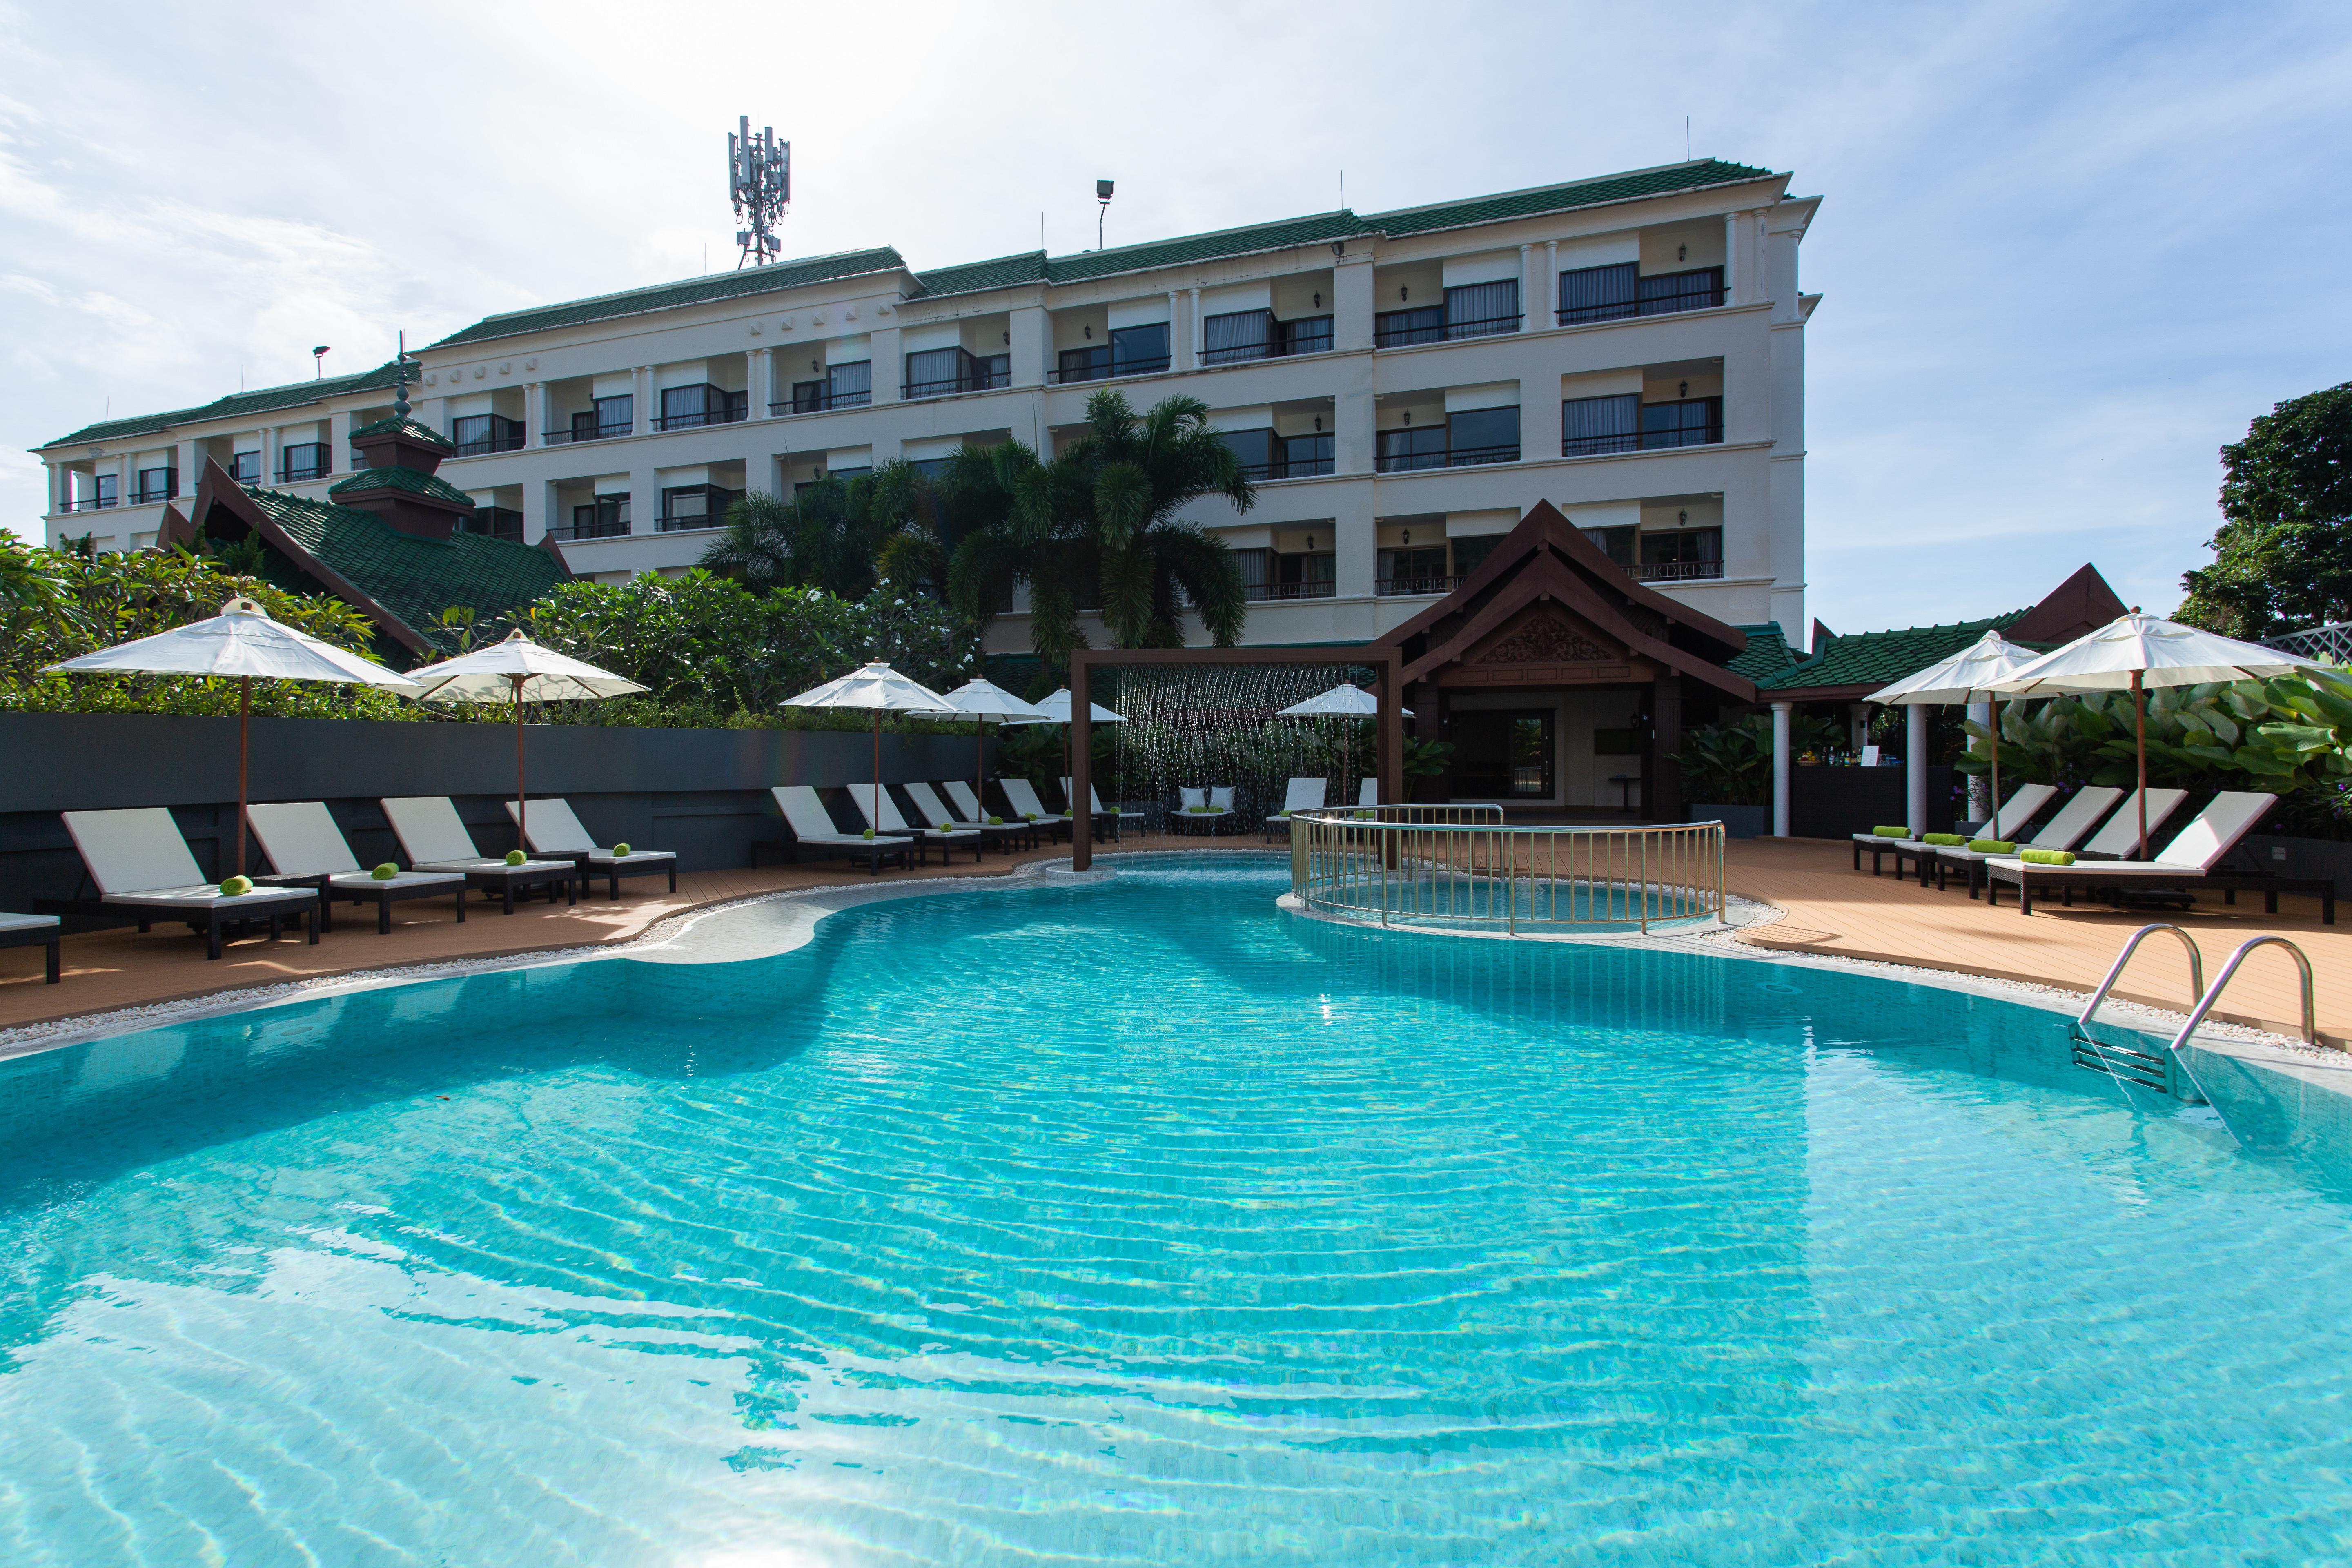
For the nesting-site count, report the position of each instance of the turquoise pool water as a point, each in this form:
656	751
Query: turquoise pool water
1142	1224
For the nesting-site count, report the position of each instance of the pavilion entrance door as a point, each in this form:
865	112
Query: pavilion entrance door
1502	753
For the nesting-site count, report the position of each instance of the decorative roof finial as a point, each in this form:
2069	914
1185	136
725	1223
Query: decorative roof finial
400	385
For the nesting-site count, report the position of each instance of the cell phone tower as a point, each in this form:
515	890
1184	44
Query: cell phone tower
759	178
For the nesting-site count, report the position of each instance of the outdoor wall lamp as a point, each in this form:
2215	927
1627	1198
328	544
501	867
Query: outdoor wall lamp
1319	302
1408	536
1008	340
1682	253
1685	390
1318	422
1310	542
816	364
1090	331
1683	516
1401	294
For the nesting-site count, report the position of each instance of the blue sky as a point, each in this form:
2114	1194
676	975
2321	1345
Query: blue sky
2067	250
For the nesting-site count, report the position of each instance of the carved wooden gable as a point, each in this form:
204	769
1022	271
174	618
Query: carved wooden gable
1546	645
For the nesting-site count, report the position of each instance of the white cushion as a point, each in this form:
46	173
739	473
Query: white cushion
1192	797
552	826
133	851
301	839
1220	797
428	828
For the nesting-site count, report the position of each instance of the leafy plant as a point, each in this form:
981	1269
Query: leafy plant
1728	764
2282	555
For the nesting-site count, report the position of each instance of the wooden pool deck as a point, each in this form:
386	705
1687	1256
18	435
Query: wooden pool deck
1826	907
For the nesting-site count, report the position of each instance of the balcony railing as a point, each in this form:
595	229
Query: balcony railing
1707	434
1151	366
1401	586
86	504
1320	590
1659	297
1297	469
1306	335
1676	571
1392	334
598	528
500	441
700	417
819	401
588	433
977	380
1459	457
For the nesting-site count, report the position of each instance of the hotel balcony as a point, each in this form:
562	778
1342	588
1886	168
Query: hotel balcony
943	372
477	434
1591	426
849	386
692	407
1617	292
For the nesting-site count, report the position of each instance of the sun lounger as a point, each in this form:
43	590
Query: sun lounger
1024	797
1114	820
2066	829
2191	860
554	832
1300	795
869	801
36	930
141	867
434	839
813	829
996	834
2022	805
1202	808
306	850
964	809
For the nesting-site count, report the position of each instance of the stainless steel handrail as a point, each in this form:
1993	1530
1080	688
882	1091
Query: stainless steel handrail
2205	1003
2131	945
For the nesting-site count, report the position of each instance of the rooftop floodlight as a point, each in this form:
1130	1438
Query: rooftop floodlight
1102	194
318	362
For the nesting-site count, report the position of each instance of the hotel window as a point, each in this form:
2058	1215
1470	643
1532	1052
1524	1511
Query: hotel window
479	433
1483	436
1476	310
1257	572
1689	422
245	468
1138	350
1256	450
107	488
496	522
604	517
1599	293
610	417
303	460
688	407
1307	335
158	484
1592	424
1617	544
1236	335
1471	553
1699	288
1304	457
1680	554
849	386
693	506
1411	448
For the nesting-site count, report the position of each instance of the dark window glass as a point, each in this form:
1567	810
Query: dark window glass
1505	755
615	416
996	370
1307	335
1700	289
1617	544
1471	553
1137	351
1591	424
932	372
1599	293
1303	456
849	386
1692	422
602	518
303	460
109	490
1415	571
1255	448
1475	310
479	433
846	475
245	468
808	396
1484	436
164	484
1237	335
684	407
1307	577
1085	364
497	523
1257	572
1395	329
1681	554
930	467
694	506
1421	449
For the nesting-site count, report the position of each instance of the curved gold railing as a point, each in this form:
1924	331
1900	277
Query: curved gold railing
1465	868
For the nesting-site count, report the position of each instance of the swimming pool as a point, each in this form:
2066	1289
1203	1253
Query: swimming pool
1140	1223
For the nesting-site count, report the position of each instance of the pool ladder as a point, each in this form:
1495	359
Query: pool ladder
2162	1071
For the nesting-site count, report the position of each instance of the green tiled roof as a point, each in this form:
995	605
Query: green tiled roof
692	291
971	277
1318	230
415	579
1694	175
408	427
1881	658
1768	653
266	400
407	479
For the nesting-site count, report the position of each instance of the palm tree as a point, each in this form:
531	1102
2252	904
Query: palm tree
841	536
1097	525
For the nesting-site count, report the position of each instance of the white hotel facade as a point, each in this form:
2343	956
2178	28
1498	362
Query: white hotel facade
1402	385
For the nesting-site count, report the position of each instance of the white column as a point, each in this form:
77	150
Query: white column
537	509
1980	786
1032	345
1733	273
1914	766
641	404
190	460
1530	284
534	426
1196	333
1781	712
644	496
1351	302
339	442
762	382
268	456
1548	300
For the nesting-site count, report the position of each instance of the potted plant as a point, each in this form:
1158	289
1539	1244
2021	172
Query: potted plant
1728	774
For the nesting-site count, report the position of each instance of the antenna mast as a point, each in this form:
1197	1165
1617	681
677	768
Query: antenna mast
759	179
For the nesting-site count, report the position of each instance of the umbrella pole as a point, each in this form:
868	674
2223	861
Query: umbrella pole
2139	735
1996	766
522	795
243	722
877	773
980	767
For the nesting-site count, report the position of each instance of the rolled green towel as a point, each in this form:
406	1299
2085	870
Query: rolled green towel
386	872
1197	810
996	822
1992	846
1028	816
1286	811
947	827
2047	857
516	857
1892	832
870	832
1948	840
620	851
236	886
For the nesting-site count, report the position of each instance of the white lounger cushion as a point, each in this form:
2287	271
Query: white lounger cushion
928	802
28	923
137	856
2120	837
1024	797
2210	837
1094	801
869	797
810	825
434	839
554	829
1303	794
1368	792
301	839
2066	829
1220	797
2023	802
1189	798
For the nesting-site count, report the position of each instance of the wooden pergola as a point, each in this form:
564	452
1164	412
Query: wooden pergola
1386	662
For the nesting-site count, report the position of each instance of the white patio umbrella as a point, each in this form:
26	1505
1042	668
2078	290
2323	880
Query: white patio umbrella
1963	677
980	701
1346	700
878	686
2137	651
516	670
242	641
1056	711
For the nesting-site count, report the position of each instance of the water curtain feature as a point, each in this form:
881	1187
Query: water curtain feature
1197	725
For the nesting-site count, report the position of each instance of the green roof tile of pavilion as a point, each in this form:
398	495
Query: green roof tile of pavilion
266	400
415	579
1768	653
408	427
1881	658
407	479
